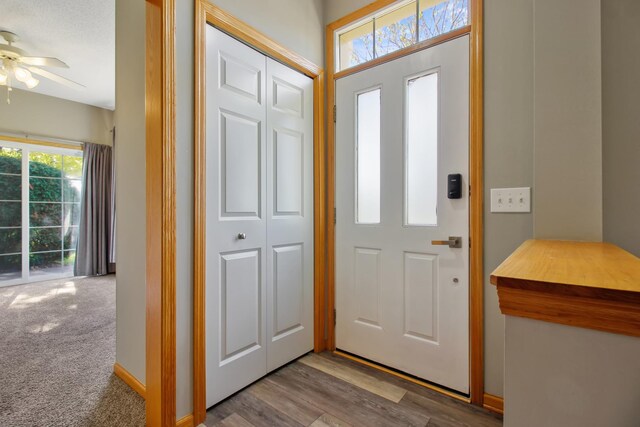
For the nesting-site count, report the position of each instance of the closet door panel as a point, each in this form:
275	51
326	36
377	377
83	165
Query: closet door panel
236	224
289	214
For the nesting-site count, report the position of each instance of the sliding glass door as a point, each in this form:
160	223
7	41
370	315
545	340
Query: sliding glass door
10	214
40	189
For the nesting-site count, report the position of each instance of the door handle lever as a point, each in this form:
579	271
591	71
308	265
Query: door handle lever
453	242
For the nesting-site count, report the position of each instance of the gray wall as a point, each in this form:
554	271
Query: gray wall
542	129
130	184
508	153
568	120
41	115
295	24
621	122
184	207
551	381
336	9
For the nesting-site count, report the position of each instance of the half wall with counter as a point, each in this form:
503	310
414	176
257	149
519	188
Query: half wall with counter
572	339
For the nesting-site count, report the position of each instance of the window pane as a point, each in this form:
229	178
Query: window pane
45	164
10	267
71	238
10	160
421	150
68	261
10	187
71	214
45	190
356	46
72	190
441	16
45	263
45	214
10	240
10	214
396	30
45	239
72	167
368	158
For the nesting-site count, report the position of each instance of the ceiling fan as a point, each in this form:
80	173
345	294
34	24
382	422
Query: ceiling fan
15	63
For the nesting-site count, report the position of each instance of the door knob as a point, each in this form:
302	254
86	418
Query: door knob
453	242
242	236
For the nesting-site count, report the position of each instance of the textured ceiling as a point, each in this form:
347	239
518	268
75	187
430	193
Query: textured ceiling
79	32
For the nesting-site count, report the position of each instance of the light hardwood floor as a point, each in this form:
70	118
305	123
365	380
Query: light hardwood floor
321	390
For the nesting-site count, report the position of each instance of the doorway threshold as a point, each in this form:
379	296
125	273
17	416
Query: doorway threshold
419	381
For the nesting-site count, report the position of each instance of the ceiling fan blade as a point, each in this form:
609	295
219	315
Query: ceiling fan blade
43	61
56	78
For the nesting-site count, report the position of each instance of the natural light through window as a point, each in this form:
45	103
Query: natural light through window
368	157
395	30
40	190
399	26
421	150
24	300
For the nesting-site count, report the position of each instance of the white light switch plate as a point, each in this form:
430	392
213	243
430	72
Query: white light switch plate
511	199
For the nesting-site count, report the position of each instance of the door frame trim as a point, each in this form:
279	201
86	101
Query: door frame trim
160	347
206	13
476	165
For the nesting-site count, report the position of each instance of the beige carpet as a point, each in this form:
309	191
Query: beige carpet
57	350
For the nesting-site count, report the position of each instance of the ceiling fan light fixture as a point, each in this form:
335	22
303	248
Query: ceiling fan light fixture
32	82
16	64
22	75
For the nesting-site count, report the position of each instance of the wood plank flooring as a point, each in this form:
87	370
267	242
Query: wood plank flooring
326	390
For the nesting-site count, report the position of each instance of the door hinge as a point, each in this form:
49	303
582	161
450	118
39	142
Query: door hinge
335	113
469	191
335	215
334	317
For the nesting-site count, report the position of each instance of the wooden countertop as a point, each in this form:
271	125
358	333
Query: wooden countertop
585	284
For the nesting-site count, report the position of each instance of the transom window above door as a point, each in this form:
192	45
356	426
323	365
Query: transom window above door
399	26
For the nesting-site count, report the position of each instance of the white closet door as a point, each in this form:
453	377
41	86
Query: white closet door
259	284
236	216
289	214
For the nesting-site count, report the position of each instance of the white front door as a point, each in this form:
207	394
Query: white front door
259	192
402	128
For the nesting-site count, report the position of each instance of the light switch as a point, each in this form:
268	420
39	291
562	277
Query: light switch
511	199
